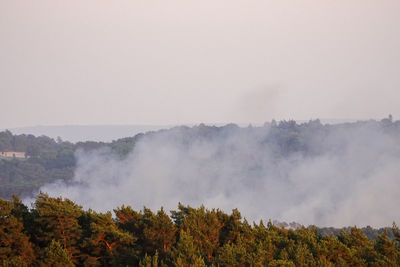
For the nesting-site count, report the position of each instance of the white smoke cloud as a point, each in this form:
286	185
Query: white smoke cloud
350	175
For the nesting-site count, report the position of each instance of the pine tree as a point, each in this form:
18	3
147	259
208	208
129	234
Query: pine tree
185	253
158	231
56	255
386	249
14	243
204	226
104	242
148	261
57	220
231	226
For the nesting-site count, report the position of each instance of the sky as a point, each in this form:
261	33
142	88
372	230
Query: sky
182	61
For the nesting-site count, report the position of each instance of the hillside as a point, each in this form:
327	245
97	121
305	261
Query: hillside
329	172
47	160
82	133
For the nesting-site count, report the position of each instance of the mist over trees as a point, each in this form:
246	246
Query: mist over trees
47	160
331	174
212	164
310	173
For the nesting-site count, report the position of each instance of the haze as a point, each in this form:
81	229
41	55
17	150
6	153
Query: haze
342	175
175	62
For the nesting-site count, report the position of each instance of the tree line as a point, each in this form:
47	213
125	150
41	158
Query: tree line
49	160
58	232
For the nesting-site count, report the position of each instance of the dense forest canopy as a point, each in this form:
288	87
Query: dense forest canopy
58	232
47	160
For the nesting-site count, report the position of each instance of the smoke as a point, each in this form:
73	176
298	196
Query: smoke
329	175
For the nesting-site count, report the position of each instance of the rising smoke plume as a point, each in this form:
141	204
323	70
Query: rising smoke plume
328	175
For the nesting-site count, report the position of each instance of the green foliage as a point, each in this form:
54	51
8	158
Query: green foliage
158	232
14	243
103	242
57	232
14	262
57	219
185	252
48	160
60	233
56	255
148	261
386	249
203	226
281	263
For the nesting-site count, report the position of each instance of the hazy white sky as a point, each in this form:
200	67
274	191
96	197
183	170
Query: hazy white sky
172	62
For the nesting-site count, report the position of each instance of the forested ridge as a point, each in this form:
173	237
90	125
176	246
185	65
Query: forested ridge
58	232
49	160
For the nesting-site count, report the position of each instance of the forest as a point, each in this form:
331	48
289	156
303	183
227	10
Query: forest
58	232
49	160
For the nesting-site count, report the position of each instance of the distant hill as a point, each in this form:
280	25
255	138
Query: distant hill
287	163
81	133
108	133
